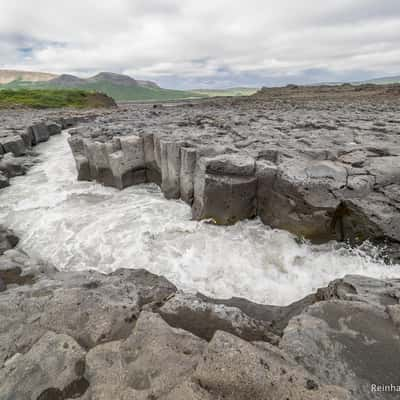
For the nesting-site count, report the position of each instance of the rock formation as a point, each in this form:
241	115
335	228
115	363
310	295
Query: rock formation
321	170
132	335
318	169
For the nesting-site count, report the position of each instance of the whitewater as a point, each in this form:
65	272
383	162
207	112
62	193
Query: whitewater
84	225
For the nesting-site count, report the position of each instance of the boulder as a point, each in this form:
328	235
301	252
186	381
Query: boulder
374	217
14	166
13	144
52	369
348	343
8	239
203	318
235	369
149	363
380	293
4	182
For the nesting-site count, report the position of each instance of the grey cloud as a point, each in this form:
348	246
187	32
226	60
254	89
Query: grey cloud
212	42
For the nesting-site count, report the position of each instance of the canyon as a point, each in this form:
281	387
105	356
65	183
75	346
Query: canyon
315	169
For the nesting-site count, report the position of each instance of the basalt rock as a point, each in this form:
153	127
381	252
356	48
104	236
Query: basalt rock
352	337
129	334
237	370
52	369
318	169
8	239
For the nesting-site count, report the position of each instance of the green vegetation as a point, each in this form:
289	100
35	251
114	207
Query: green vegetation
52	98
138	93
239	91
117	92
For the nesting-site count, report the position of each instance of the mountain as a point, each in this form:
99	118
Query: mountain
116	79
10	75
66	81
120	87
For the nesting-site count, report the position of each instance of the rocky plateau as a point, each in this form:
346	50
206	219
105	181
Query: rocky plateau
322	162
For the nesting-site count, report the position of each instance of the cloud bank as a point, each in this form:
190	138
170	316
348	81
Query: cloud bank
191	43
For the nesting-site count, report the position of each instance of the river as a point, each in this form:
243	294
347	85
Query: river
83	225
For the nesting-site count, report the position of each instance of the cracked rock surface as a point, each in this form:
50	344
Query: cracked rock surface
322	164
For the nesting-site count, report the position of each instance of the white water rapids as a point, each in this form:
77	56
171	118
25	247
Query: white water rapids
83	225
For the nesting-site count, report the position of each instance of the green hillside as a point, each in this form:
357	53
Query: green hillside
53	98
117	92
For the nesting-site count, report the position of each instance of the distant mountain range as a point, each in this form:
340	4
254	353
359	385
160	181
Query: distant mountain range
120	87
383	81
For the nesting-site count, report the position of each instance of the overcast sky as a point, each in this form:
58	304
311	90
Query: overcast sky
204	43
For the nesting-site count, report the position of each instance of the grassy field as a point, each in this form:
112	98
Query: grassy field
117	92
52	98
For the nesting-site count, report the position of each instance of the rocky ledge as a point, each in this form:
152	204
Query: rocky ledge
133	335
322	163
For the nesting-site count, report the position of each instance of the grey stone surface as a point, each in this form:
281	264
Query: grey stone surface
13	144
8	239
203	318
236	370
348	343
149	363
52	368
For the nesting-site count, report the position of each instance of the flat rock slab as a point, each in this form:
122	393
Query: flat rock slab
352	344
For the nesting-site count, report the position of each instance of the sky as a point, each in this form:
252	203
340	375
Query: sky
205	43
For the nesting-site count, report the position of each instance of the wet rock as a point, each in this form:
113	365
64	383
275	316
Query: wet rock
12	166
4	182
54	128
52	369
203	318
40	133
13	144
374	217
346	343
364	289
8	239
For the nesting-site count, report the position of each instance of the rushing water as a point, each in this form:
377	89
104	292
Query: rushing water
81	225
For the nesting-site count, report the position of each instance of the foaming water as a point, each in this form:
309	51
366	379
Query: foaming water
83	225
